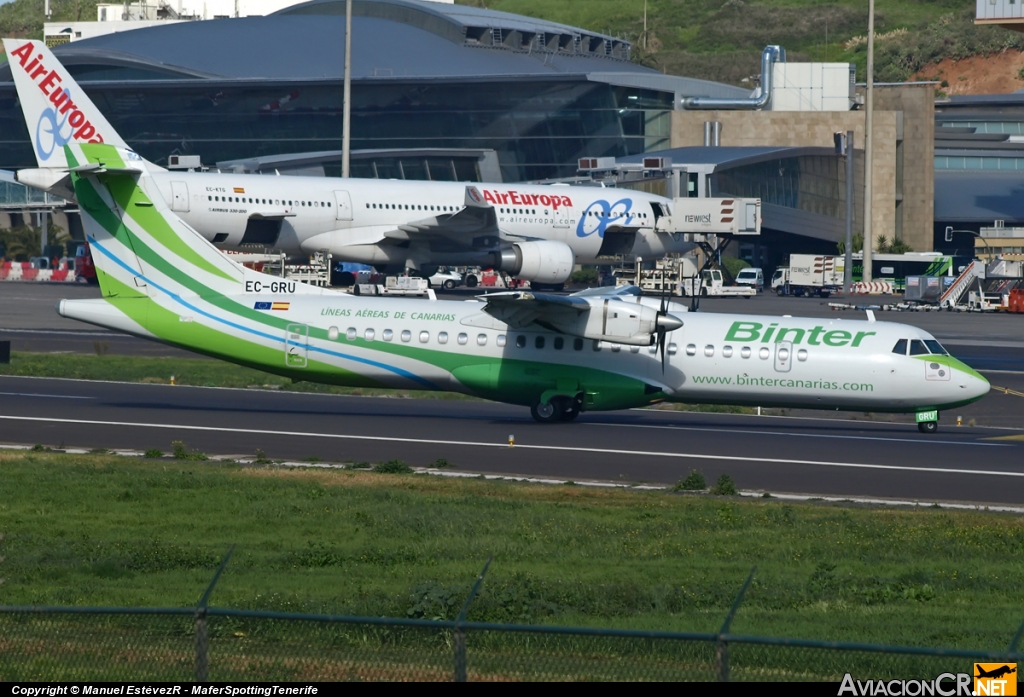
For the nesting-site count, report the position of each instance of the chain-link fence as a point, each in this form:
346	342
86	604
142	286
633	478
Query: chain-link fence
46	644
176	644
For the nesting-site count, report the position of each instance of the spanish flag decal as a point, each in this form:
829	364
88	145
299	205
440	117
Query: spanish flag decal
262	305
239	190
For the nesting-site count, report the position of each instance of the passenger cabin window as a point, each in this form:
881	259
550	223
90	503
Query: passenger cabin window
745	352
368	335
387	335
917	348
764	353
559	343
406	336
351	334
727	351
442	337
501	340
577	344
424	337
481	339
539	342
801	355
463	339
520	341
900	347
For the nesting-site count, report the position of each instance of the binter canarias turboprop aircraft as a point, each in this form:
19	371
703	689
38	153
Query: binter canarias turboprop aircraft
558	355
537	233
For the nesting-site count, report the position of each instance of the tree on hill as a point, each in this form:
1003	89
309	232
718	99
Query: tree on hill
23	19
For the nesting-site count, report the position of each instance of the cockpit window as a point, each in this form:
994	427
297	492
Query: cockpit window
935	347
900	347
917	348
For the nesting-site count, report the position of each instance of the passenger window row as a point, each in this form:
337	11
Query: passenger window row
919	347
267	201
764	353
406	336
412	207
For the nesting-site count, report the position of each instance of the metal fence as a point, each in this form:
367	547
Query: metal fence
203	643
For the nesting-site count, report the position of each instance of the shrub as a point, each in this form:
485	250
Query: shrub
393	467
586	276
153	454
441	463
725	486
694	482
181	452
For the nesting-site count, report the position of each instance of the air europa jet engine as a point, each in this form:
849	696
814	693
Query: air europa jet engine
543	261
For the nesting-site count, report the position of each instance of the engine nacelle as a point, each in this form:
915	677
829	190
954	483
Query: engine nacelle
544	261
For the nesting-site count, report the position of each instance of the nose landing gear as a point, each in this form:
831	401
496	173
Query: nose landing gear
928	426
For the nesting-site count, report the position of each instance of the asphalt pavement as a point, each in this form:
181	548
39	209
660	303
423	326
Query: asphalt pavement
812	455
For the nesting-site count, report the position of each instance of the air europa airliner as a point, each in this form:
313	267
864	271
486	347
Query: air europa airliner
557	355
534	232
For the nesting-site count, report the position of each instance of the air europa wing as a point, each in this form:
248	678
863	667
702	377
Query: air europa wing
476	219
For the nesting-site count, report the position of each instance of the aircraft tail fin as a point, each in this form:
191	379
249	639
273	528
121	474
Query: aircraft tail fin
57	111
140	247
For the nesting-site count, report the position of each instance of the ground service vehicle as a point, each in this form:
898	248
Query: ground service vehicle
712	284
810	274
751	276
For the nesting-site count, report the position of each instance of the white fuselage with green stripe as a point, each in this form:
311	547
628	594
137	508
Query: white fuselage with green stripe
163	281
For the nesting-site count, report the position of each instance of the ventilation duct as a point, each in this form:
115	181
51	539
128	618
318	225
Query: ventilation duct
770	56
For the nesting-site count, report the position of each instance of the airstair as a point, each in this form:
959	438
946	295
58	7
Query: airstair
955	294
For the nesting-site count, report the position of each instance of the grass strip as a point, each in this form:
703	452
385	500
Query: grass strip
100	530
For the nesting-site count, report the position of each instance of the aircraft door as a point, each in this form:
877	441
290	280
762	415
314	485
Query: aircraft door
343	204
179	197
783	356
561	217
296	345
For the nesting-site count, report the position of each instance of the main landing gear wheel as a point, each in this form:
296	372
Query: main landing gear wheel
928	426
546	413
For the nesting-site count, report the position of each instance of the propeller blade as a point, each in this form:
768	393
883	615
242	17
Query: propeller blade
661	341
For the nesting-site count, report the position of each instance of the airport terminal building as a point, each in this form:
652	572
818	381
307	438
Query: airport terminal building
427	76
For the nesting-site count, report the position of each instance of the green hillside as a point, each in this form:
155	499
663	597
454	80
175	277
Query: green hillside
24	18
722	39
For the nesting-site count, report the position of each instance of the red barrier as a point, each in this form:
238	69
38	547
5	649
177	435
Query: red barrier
1016	303
59	275
29	274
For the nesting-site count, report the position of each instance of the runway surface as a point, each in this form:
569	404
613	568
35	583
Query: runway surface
816	455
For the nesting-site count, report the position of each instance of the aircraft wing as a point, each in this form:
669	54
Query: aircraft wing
271	214
476	219
520	309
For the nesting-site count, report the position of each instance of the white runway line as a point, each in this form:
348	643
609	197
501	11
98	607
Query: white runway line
555	448
930	441
34	394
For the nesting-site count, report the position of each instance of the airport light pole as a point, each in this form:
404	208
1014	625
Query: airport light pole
848	264
346	128
869	140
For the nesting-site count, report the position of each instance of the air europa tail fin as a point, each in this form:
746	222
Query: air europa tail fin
57	111
139	246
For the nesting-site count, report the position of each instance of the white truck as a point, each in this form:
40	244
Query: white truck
397	285
711	284
810	274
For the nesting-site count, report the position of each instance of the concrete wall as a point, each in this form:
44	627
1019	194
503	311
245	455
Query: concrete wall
904	116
